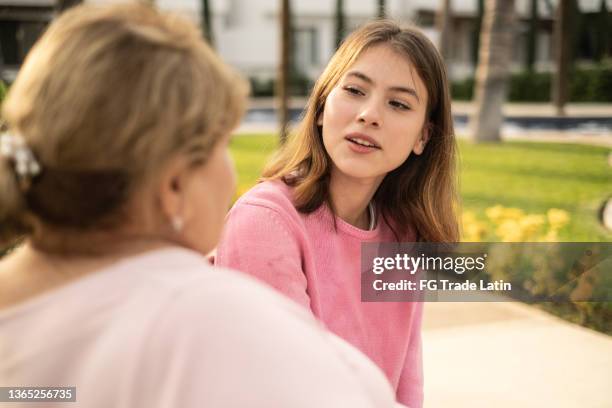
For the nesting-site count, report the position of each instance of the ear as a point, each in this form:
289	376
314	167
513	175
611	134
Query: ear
320	118
171	187
419	146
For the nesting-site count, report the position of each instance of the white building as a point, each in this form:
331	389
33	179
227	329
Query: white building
246	32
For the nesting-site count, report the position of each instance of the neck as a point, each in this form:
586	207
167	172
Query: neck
124	240
29	270
351	197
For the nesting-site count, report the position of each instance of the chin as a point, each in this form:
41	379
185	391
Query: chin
359	171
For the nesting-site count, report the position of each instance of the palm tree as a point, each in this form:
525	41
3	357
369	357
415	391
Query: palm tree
206	23
604	33
562	49
444	24
476	33
62	5
532	35
492	72
381	9
284	70
340	23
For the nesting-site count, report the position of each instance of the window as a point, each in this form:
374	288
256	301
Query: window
306	50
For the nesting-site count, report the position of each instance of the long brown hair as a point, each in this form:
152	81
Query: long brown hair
421	193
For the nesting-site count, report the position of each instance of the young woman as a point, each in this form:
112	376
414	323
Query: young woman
373	161
115	171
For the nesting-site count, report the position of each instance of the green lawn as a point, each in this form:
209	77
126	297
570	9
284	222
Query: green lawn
539	176
531	176
250	153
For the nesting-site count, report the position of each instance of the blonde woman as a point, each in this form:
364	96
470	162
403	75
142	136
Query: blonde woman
372	160
114	170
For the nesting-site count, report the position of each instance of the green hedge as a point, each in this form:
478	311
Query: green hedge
3	90
586	85
299	85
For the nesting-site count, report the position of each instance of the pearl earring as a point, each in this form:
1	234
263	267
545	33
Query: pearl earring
177	223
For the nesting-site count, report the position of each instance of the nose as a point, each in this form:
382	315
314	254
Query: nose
369	115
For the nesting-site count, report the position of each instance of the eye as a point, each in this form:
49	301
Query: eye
353	91
399	105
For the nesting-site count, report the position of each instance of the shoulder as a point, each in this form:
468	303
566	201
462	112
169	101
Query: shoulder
212	327
224	318
267	203
226	328
275	195
194	298
226	292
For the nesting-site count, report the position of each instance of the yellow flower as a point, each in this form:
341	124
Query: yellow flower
468	217
557	218
551	236
530	226
495	213
509	231
498	214
514	225
513	213
473	230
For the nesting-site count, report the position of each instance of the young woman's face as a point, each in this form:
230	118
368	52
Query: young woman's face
374	118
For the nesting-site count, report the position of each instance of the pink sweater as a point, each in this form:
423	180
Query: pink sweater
304	258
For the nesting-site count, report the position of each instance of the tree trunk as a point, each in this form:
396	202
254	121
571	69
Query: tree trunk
381	13
62	5
562	50
604	33
282	83
206	22
340	24
444	25
476	33
532	37
492	73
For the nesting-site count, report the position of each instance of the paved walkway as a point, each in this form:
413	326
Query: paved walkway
542	109
512	355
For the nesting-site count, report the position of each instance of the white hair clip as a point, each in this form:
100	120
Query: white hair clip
14	147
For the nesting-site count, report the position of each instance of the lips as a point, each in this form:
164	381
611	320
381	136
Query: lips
362	140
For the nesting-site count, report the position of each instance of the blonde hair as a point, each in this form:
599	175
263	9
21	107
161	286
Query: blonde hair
421	193
105	98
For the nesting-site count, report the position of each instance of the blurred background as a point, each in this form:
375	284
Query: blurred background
531	82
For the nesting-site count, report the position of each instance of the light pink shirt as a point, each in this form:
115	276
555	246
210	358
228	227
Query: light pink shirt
165	329
303	257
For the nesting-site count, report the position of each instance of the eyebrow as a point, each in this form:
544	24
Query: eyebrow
364	77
